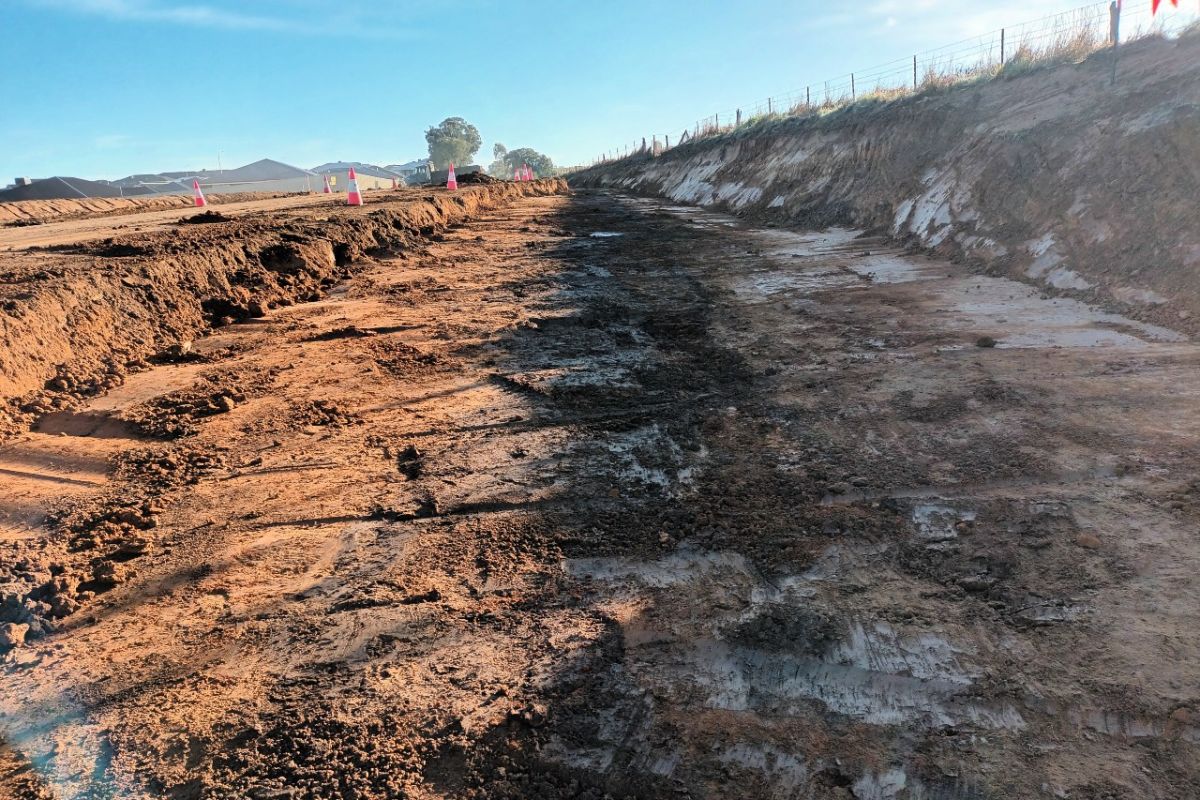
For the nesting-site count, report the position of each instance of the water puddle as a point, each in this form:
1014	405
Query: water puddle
894	269
1018	316
764	284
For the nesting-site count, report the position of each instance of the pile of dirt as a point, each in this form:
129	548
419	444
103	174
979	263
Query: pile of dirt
1051	175
205	218
177	414
477	179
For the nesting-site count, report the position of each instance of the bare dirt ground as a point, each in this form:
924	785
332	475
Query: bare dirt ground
595	496
31	213
131	220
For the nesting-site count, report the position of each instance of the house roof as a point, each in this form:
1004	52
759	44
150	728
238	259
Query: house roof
60	188
408	166
265	169
370	170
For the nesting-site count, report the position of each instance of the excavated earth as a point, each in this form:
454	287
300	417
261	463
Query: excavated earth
522	493
1057	175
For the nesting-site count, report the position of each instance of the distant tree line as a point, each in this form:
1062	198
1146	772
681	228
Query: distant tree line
456	140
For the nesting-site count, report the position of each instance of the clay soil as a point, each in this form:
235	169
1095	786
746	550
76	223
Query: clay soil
593	496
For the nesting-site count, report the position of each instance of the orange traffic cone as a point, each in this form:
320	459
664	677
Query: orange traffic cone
328	189
451	181
353	198
198	195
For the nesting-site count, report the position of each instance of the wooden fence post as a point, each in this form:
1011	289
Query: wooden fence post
914	73
853	93
1114	32
1002	47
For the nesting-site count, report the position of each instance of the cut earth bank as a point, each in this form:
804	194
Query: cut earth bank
1052	175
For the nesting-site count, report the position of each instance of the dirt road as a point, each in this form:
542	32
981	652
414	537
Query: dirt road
595	497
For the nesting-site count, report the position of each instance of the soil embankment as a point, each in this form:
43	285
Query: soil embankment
77	317
1053	175
36	212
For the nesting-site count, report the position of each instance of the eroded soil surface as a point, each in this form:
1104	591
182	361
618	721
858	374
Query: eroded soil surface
596	496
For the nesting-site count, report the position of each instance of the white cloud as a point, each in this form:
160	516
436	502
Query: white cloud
198	15
296	17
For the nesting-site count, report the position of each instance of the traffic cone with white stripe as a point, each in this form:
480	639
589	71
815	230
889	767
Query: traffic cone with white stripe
516	174
197	195
353	198
328	189
394	185
528	172
451	181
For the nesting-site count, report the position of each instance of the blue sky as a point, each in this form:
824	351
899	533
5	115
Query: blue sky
105	88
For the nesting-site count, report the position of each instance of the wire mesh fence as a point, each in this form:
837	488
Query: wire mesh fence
1067	36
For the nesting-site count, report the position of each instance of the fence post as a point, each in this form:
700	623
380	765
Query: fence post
667	136
1114	30
914	73
853	93
828	97
717	122
769	111
1002	47
808	96
738	124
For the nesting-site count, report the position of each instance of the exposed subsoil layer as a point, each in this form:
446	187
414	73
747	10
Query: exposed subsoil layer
593	496
1054	175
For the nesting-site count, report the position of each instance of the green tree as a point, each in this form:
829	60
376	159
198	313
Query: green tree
454	140
541	163
499	167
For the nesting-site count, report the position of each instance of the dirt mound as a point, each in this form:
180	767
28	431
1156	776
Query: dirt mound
205	218
477	179
1053	175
